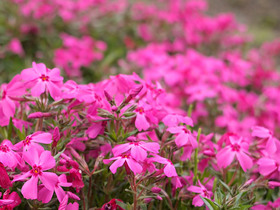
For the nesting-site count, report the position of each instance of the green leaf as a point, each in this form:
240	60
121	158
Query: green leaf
226	186
210	204
58	154
130	134
121	204
10	129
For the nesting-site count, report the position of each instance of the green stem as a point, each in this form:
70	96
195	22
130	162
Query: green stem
196	158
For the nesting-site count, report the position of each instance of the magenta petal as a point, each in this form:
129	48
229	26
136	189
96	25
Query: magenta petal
266	166
5	202
141	122
121	148
225	157
45	138
54	90
244	160
31	156
54	75
29	74
59	193
94	130
181	139
152	147
49	180
197	201
47	161
271	145
138	153
40	68
194	189
22	177
118	163
38	88
45	195
134	166
29	189
169	170
72	206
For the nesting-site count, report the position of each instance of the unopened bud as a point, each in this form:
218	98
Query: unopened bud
109	97
156	190
133	93
39	115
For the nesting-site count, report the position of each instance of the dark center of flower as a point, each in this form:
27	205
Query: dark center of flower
4	93
235	147
36	170
140	110
4	148
27	141
206	194
44	77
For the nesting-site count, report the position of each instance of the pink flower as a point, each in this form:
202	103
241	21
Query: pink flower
141	121
197	201
10	201
39	163
138	149
169	169
269	140
172	120
8	157
129	162
45	195
9	92
33	139
40	79
15	47
237	148
269	164
184	137
64	203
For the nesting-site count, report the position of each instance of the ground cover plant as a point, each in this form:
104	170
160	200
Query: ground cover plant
135	105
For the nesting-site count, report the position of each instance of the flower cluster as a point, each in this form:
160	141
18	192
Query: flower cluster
189	118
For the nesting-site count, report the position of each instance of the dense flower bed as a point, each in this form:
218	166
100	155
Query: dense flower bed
183	112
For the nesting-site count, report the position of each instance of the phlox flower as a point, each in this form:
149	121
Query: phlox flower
33	139
169	169
126	159
45	195
8	92
238	148
39	163
269	141
173	120
9	201
64	205
141	121
197	201
269	164
8	157
40	79
184	137
138	150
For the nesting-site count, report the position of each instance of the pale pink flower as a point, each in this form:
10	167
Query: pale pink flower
40	79
172	120
39	163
